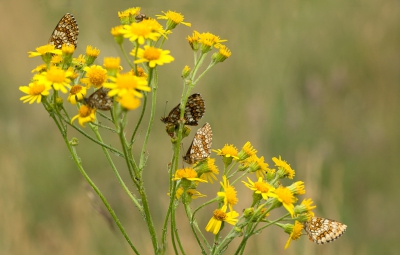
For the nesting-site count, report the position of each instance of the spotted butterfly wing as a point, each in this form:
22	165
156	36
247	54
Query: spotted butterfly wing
321	230
194	111
100	100
66	32
200	148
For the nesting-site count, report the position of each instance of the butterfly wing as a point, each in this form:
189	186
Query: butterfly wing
194	111
200	148
321	230
100	100
66	32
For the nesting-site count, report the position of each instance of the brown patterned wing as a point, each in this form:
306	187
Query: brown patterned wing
322	231
200	148
194	111
100	100
66	31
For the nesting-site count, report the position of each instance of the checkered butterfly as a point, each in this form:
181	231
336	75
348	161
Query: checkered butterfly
194	111
66	31
321	230
100	100
200	148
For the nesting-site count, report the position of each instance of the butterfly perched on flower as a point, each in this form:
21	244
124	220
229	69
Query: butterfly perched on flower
100	100
200	148
321	230
194	111
66	32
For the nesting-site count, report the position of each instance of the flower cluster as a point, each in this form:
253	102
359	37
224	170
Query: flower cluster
267	192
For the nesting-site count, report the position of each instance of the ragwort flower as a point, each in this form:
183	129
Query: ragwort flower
154	56
56	77
229	193
77	93
45	49
294	231
188	174
95	76
140	32
286	197
260	187
284	169
127	83
86	114
173	19
35	91
219	216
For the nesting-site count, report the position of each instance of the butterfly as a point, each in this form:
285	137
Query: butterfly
194	111
321	230
66	32
200	148
140	17
100	100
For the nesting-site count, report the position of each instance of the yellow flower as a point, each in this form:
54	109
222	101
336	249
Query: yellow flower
112	63
286	197
67	49
86	114
154	56
194	40
306	207
95	76
39	68
118	36
140	32
260	187
154	26
140	72
188	174
219	216
185	71
129	101
56	77
125	83
228	151
91	54
193	193
284	169
79	62
35	91
55	59
247	151
222	54
229	193
173	19
297	188
295	232
45	49
77	93
92	51
208	41
207	170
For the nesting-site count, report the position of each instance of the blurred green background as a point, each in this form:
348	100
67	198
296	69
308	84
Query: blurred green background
314	81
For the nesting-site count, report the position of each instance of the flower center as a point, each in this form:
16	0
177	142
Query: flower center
75	89
219	215
97	78
37	89
56	75
84	111
152	53
261	187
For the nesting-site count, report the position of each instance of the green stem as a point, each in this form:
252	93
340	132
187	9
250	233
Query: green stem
91	183
205	71
140	119
192	222
127	191
126	56
142	160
